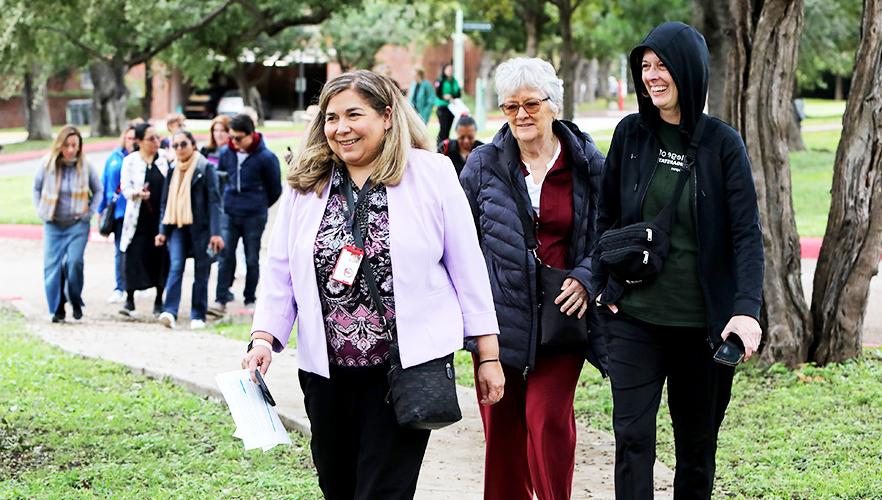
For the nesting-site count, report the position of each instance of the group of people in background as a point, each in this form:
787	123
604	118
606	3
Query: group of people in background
170	201
385	253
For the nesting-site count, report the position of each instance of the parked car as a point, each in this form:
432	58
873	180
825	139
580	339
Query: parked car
231	103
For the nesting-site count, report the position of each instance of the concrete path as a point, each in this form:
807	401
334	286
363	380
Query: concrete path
454	461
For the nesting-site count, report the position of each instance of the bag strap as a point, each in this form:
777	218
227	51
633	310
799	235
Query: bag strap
366	270
528	221
668	214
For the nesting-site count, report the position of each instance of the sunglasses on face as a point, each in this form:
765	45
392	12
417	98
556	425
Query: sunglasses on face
531	106
238	138
152	138
181	145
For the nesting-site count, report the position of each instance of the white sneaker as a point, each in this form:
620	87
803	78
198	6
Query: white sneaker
197	324
167	320
117	297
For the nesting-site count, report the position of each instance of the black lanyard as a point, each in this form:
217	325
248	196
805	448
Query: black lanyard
353	210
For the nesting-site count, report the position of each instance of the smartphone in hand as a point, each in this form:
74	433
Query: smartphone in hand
731	351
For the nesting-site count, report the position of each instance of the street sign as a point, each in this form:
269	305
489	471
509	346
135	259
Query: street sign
477	26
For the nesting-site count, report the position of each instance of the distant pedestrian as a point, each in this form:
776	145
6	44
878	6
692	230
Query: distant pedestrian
142	181
67	192
219	137
113	193
446	90
422	95
458	150
254	183
173	123
190	222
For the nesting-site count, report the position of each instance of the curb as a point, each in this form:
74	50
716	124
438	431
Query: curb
110	144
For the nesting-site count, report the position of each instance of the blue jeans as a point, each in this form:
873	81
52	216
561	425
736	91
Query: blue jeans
250	229
178	245
63	249
120	260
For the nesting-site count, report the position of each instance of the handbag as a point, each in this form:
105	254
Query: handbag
105	222
422	396
637	252
556	329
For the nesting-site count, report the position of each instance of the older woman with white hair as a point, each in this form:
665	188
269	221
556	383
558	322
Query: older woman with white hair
533	193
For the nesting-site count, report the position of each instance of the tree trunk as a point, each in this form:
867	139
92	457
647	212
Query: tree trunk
594	83
728	28
603	71
756	51
110	97
35	98
250	95
850	253
839	89
532	12
794	132
567	56
147	101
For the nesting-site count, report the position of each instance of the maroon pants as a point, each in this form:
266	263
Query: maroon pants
531	432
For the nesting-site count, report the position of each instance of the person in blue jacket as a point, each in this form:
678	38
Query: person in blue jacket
254	183
110	180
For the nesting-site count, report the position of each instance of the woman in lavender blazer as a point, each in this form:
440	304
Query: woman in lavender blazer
367	141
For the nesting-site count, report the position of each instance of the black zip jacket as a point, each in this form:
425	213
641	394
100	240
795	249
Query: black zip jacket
721	188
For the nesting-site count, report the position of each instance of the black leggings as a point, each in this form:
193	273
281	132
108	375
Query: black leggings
641	357
445	120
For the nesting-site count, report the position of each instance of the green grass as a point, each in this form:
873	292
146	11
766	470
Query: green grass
817	108
16	204
77	428
235	331
811	174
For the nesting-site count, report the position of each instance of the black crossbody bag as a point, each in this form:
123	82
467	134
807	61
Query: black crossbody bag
422	396
637	252
556	329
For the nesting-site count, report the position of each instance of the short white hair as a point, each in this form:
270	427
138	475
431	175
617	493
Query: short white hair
529	72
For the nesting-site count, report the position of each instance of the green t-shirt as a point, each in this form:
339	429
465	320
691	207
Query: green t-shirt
674	297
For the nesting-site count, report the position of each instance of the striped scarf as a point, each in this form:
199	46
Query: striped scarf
52	187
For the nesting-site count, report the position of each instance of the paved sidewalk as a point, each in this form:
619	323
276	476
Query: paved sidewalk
454	461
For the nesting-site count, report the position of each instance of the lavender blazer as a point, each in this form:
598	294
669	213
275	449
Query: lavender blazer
441	286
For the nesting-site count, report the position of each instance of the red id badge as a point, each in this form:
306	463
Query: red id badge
347	265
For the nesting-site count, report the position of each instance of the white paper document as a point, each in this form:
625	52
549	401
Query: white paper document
257	423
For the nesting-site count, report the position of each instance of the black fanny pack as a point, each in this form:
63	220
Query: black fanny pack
637	252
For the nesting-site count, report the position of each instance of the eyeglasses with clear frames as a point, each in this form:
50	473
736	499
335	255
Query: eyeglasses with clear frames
531	106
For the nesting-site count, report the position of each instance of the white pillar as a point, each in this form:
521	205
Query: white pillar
458	50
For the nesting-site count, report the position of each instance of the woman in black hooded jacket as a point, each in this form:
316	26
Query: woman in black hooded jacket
710	286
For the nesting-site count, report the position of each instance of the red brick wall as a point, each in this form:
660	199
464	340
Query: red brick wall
12	111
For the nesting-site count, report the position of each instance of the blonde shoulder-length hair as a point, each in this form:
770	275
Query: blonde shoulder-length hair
311	171
55	156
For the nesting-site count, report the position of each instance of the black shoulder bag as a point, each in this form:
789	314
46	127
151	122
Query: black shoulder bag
105	222
422	396
556	329
637	252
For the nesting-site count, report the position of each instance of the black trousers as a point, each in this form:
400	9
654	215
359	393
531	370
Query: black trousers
641	357
358	447
445	122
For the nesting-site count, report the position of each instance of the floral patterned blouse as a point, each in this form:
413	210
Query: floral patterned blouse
355	337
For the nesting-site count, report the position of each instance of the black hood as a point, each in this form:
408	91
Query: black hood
683	50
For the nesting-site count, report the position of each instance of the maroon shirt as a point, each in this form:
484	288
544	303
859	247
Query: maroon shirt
555	213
